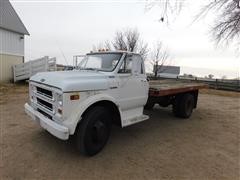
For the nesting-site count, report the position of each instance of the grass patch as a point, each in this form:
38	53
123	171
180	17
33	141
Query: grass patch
6	88
220	92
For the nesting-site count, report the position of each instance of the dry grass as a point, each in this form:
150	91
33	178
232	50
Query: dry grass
220	93
10	88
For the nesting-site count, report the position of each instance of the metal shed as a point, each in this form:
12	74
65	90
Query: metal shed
12	32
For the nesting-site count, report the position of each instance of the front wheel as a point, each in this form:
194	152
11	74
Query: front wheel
93	131
149	105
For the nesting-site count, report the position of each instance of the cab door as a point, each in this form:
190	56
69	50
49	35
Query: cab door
133	86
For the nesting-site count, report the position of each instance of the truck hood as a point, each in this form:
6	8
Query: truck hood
73	80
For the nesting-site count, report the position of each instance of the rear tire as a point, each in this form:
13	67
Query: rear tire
93	131
183	106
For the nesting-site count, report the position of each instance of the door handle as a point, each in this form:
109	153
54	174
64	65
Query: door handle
143	80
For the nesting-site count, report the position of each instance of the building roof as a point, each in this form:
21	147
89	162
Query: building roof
169	69
9	19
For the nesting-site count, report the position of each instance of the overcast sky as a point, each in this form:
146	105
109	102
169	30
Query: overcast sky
67	28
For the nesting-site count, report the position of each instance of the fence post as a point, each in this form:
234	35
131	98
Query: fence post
238	85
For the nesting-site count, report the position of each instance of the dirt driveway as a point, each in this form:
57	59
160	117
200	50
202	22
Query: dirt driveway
206	146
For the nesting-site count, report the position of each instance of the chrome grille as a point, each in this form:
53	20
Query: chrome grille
44	92
44	113
44	101
45	104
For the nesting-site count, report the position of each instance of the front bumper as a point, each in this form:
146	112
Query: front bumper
55	129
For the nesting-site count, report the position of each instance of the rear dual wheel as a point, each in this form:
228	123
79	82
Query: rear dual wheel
183	106
93	131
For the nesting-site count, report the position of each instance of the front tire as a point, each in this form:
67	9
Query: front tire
149	106
93	131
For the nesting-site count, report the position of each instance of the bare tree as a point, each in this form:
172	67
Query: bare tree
210	76
160	56
224	77
227	24
143	49
128	40
119	42
168	9
108	45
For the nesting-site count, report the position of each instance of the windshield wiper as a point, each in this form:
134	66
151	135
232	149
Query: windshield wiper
93	69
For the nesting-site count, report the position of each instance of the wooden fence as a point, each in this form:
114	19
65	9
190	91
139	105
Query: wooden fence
25	70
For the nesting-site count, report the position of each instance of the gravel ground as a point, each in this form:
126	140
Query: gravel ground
206	146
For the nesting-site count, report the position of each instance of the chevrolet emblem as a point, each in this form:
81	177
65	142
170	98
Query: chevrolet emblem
42	80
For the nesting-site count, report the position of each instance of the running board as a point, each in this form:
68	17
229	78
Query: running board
135	120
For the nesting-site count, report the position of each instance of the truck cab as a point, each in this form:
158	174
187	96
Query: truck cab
106	88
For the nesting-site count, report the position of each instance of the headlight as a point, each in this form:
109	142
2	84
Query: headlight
59	103
32	89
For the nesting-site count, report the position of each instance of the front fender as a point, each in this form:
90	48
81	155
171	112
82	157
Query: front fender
72	121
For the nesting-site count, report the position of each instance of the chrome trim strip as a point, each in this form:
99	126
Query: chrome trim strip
43	108
49	97
45	98
48	87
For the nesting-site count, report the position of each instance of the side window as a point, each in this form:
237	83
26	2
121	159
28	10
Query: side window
126	66
138	64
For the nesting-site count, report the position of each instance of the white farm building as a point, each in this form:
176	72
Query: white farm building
12	32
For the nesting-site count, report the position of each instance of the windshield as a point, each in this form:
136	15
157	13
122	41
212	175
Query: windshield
101	61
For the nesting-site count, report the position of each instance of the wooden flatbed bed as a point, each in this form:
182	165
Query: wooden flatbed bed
171	87
182	95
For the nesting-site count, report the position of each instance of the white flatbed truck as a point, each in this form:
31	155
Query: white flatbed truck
107	88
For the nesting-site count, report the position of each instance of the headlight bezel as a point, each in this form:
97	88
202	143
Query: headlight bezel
32	90
59	104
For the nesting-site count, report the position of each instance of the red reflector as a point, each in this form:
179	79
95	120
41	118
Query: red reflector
74	97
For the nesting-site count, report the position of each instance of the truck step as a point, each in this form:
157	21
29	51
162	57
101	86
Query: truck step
135	120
